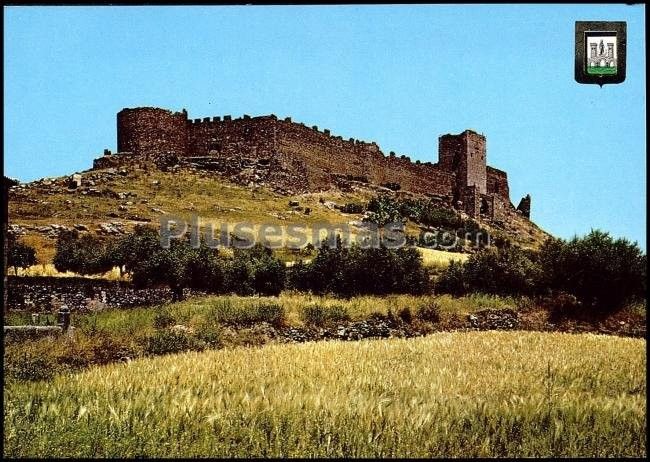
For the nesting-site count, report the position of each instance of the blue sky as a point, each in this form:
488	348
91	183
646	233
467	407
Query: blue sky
397	75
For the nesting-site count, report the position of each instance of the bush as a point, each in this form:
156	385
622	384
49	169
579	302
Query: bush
452	279
320	315
245	314
405	315
429	312
603	273
108	348
167	341
25	363
562	305
272	313
19	255
163	319
255	270
210	334
508	271
359	271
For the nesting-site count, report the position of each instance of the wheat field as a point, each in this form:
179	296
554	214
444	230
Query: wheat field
448	394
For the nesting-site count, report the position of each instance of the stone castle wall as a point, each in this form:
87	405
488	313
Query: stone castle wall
148	132
283	152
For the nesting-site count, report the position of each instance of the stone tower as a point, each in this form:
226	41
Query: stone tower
151	132
465	155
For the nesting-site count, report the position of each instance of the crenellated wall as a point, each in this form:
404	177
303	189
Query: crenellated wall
290	153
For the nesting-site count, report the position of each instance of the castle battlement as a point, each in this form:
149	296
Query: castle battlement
309	159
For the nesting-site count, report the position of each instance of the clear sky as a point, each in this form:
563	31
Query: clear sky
397	75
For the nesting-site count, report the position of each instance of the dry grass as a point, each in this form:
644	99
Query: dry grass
448	394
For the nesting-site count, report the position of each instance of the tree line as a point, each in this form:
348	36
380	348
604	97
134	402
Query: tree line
601	273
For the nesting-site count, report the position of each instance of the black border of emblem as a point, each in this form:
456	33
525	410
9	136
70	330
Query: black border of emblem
599	27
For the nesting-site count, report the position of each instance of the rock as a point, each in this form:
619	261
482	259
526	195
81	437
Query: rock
113	228
122	208
294	203
80	227
492	319
179	328
75	181
157	210
16	230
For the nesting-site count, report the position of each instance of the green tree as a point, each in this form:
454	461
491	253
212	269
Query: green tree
602	272
19	255
507	271
255	270
84	255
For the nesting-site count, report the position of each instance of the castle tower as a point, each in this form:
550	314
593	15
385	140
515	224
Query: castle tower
465	155
152	132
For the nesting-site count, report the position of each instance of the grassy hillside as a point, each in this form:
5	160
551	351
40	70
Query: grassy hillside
448	394
140	194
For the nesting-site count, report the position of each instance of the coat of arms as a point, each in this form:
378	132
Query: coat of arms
600	52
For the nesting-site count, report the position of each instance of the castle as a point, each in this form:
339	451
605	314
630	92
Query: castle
599	57
295	158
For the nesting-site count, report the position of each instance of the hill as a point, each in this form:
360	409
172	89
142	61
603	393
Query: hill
112	201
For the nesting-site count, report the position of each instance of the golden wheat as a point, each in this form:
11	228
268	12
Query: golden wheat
448	394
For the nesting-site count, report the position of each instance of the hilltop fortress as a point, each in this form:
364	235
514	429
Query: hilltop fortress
292	158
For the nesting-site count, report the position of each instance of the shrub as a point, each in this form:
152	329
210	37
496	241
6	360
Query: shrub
359	271
87	254
244	314
429	312
210	334
452	280
108	348
507	271
603	273
167	341
564	305
273	313
405	315
319	315
163	319
25	363
255	270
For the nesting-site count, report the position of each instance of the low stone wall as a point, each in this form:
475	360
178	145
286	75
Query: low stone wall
35	293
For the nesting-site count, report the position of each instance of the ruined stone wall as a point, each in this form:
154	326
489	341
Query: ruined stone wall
36	292
150	132
284	152
326	156
252	137
497	183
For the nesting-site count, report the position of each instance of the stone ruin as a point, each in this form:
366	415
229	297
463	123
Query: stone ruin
292	158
